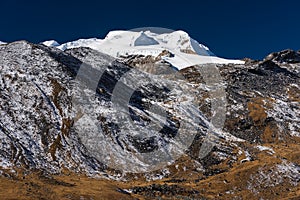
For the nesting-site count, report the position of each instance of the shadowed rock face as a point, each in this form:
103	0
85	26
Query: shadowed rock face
38	117
286	56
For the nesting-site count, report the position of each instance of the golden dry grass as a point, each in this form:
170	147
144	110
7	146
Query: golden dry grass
230	184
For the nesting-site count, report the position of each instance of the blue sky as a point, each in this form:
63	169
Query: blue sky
231	28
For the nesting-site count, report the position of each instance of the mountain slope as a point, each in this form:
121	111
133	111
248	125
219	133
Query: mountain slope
44	128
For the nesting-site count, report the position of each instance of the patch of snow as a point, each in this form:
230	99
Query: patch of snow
51	43
289	170
157	176
128	190
264	148
182	60
5	163
294	85
248	157
92	43
286	171
286	113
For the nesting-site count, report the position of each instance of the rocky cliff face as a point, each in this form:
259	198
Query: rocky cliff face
57	115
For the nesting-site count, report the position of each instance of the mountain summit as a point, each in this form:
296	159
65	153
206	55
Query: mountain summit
186	51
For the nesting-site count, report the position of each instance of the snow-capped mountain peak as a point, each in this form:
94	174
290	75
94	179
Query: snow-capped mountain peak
117	43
